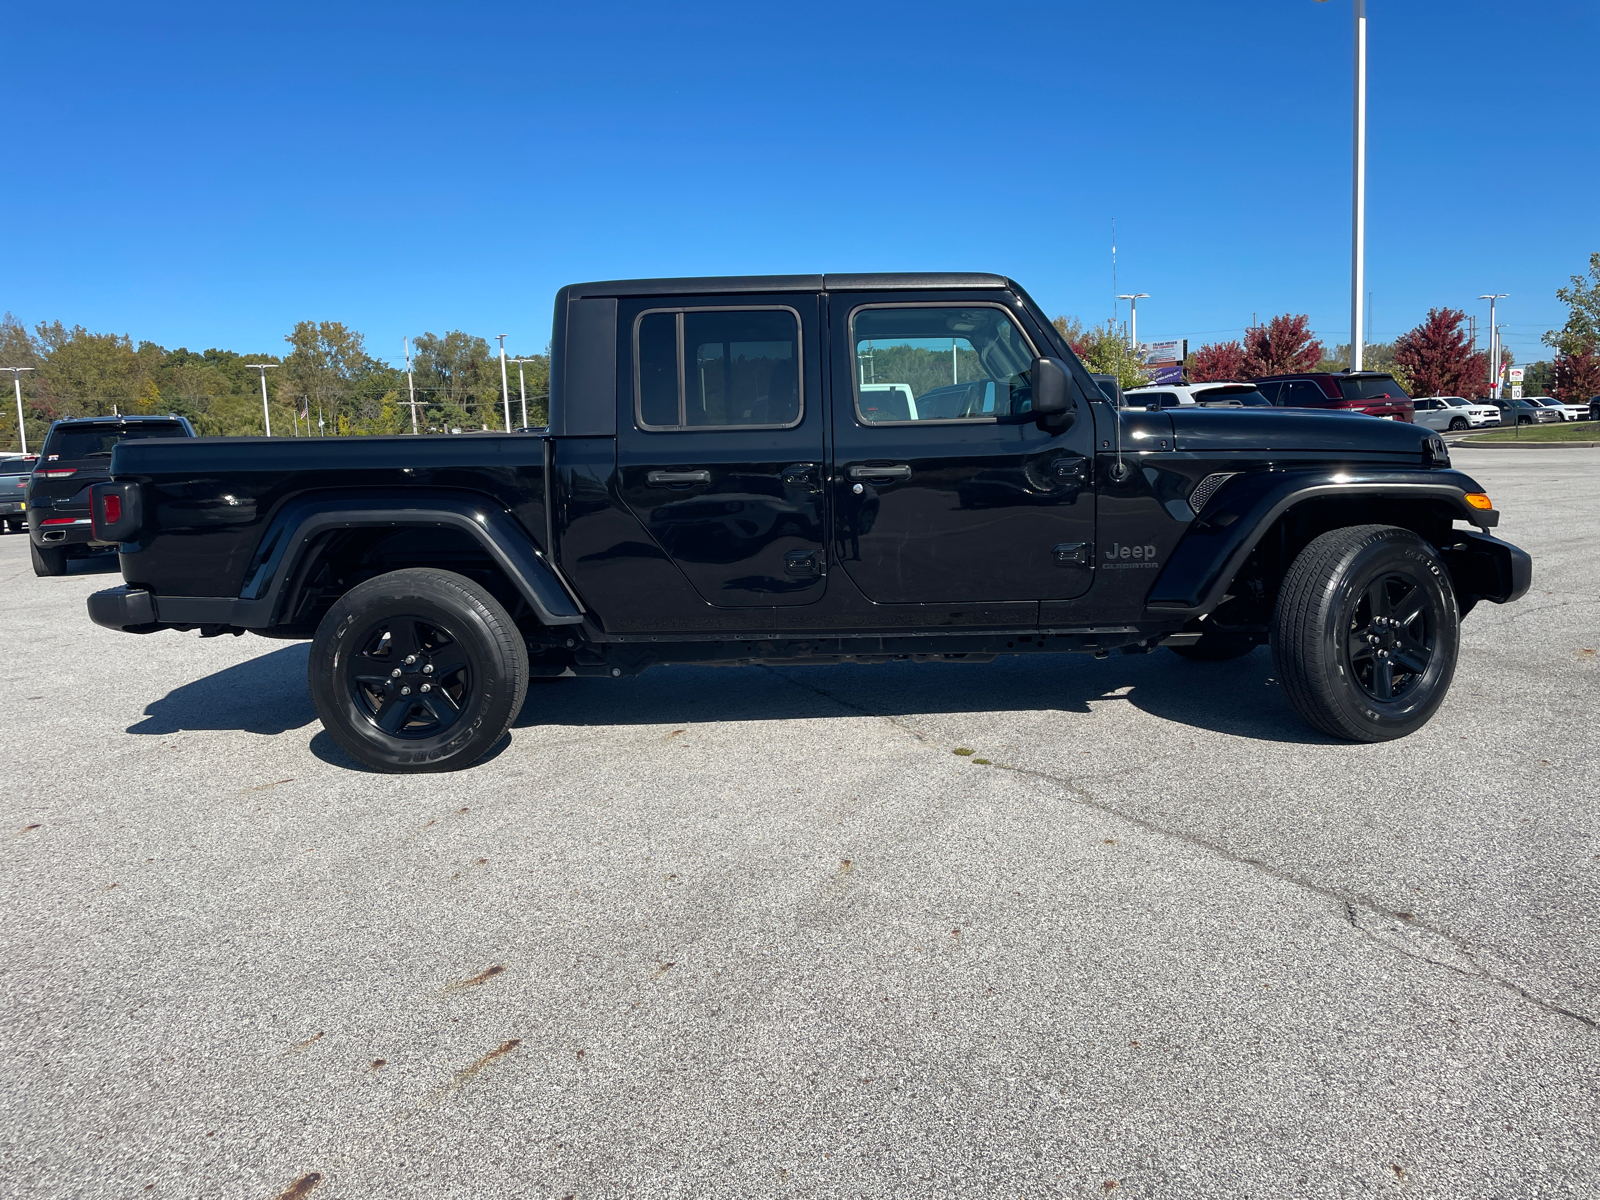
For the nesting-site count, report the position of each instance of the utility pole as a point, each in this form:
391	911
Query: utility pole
1133	316
411	386
16	379
264	368
505	387
522	382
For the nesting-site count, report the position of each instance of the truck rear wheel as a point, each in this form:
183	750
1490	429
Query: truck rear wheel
1365	633
418	670
48	560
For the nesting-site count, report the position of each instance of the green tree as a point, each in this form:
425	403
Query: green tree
1104	350
1581	333
327	363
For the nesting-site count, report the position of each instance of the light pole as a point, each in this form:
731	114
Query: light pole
1494	343
505	387
1133	316
411	386
522	382
16	379
1358	181
264	368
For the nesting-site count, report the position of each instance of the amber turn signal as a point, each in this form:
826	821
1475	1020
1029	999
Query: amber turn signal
1479	500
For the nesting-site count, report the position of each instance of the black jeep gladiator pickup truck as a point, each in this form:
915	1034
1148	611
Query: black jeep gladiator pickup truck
810	469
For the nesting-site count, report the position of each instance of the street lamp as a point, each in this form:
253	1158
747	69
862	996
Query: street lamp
264	368
1133	316
411	385
1358	183
16	379
505	387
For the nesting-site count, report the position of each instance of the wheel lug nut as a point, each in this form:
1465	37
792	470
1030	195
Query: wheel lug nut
410	658
395	674
405	691
428	670
427	687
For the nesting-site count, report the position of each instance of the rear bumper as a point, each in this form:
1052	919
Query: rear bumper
79	533
125	609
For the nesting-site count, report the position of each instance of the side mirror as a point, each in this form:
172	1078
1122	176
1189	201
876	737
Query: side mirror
1052	393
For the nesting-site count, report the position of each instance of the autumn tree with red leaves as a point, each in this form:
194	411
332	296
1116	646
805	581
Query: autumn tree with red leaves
1284	345
1438	356
1216	361
1578	377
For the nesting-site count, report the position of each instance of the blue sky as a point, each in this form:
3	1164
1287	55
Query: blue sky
206	175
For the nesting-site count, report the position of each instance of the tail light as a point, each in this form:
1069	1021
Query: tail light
60	473
116	510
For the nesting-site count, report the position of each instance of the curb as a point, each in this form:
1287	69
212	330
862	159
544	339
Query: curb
1468	443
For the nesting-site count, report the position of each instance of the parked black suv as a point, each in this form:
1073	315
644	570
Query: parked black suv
811	469
77	455
1371	392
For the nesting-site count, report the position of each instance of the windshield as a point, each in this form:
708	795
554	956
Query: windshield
1246	397
1455	401
1371	389
75	443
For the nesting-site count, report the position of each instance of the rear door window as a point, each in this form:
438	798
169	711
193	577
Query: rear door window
718	369
1301	393
1371	389
86	442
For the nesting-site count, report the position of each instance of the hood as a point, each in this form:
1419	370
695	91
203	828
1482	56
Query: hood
1340	432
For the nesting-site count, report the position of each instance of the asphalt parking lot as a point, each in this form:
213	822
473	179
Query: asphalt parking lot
764	932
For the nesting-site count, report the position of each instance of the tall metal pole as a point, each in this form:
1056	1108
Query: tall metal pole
411	386
1358	224
522	387
1133	316
505	386
16	379
266	416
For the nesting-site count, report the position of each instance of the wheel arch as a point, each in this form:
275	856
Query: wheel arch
315	533
1269	517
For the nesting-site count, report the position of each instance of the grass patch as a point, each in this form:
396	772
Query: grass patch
1567	431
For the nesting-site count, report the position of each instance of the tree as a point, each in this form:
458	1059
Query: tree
1282	346
327	363
1104	351
1216	360
1577	377
1581	333
1437	355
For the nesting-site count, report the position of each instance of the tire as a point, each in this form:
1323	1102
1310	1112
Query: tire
1366	632
48	560
1217	647
1457	424
373	650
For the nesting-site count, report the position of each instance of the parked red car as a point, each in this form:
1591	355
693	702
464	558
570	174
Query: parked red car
1358	391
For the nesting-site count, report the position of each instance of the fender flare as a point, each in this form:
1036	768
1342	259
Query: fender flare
283	546
1241	511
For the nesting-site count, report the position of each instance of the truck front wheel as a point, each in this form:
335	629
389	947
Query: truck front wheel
418	670
1365	633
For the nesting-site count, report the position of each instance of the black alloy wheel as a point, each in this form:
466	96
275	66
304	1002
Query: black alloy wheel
409	676
418	670
1365	633
1457	424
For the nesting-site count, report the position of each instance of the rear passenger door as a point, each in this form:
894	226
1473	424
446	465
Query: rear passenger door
720	451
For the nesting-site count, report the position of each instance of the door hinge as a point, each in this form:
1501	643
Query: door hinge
1073	554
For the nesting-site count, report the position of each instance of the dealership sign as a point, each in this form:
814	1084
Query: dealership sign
1164	360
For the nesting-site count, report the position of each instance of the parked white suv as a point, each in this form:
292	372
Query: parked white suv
1453	413
1219	394
1569	412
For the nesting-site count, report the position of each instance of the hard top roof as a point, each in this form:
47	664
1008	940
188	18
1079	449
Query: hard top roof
124	419
730	284
1329	375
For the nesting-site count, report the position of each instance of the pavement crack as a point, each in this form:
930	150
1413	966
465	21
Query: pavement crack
1361	911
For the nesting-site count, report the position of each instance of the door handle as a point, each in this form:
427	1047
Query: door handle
880	474
669	478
